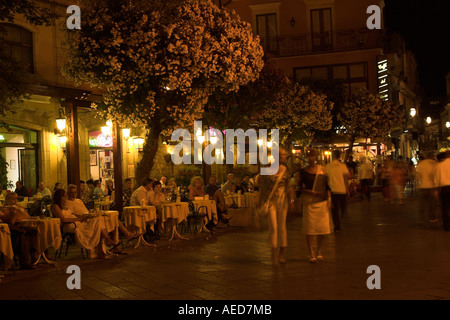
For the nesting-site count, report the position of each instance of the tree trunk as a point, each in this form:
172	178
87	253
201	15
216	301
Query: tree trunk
150	149
350	149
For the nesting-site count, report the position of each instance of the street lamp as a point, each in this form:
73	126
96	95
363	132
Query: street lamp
126	133
447	124
139	143
412	112
428	120
214	139
61	120
260	142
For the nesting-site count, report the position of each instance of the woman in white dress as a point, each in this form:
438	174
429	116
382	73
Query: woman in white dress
89	233
315	200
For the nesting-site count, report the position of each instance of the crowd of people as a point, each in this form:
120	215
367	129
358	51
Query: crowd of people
71	204
323	192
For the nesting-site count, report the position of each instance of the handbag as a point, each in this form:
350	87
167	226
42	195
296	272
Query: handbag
262	209
307	199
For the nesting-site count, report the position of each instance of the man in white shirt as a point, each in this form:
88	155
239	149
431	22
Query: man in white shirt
427	186
73	204
43	190
443	182
366	177
338	175
141	193
228	186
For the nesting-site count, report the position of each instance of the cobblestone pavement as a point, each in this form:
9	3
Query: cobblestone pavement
235	264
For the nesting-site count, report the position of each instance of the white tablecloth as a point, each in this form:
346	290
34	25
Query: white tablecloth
235	200
5	245
138	217
211	207
110	220
48	232
173	210
250	199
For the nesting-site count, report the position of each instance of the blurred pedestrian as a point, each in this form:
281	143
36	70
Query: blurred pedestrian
398	182
316	203
366	177
385	177
427	186
275	197
443	182
338	180
412	176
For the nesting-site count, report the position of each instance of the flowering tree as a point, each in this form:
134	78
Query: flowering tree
298	112
240	109
367	115
158	61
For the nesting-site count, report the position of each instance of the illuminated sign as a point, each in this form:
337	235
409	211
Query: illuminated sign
382	73
103	141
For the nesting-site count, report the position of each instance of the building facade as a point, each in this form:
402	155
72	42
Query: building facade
331	40
31	144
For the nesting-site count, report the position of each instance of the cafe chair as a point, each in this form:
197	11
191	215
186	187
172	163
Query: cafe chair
90	205
195	216
47	200
17	234
69	238
114	206
37	208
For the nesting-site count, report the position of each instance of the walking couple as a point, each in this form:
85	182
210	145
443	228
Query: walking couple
276	196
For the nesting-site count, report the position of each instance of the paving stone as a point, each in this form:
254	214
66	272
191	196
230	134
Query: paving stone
235	264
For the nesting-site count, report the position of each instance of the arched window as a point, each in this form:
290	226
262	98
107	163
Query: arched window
17	42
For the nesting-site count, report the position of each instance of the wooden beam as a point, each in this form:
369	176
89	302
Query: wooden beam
72	147
117	160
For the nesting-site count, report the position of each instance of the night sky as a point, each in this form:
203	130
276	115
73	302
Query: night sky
425	26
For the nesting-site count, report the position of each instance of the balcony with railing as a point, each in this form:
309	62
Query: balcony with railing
325	42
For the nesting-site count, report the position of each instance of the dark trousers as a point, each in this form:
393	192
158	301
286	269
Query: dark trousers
428	204
339	205
445	199
365	187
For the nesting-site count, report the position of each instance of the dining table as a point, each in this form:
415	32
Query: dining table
48	235
136	219
172	214
6	245
235	200
110	219
250	199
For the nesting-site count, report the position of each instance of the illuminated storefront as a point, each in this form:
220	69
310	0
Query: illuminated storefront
101	155
19	151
